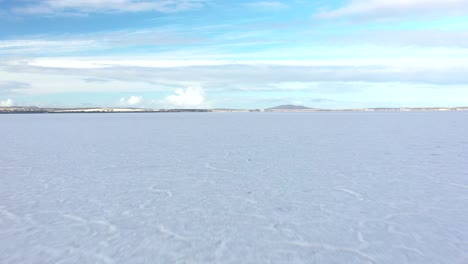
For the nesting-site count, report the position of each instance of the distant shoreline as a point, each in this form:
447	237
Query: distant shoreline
37	110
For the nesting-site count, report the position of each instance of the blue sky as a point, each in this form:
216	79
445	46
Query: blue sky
233	54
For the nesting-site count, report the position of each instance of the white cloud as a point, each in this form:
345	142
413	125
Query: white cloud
6	103
132	100
190	97
95	6
367	9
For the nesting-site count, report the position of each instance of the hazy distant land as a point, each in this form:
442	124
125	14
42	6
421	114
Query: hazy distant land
280	108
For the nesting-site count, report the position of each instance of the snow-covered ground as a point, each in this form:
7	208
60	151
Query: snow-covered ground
234	188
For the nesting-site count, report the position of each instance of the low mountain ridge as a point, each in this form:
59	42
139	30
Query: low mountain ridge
289	107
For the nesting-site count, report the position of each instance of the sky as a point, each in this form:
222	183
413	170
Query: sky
233	54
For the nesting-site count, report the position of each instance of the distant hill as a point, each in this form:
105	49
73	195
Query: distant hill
289	107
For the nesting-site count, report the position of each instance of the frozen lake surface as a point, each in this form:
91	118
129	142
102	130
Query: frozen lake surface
234	188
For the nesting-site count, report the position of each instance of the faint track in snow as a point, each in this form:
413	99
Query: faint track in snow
361	239
244	199
459	185
104	258
221	248
237	197
356	252
285	231
163	230
7	214
355	194
390	227
97	257
144	205
88	223
328	212
415	250
10	221
165	194
209	166
75	218
110	227
391	216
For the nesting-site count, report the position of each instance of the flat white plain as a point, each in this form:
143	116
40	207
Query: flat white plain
234	188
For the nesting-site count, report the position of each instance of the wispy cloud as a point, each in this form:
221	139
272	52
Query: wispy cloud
63	44
268	5
384	9
34	46
173	43
454	39
95	80
104	6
